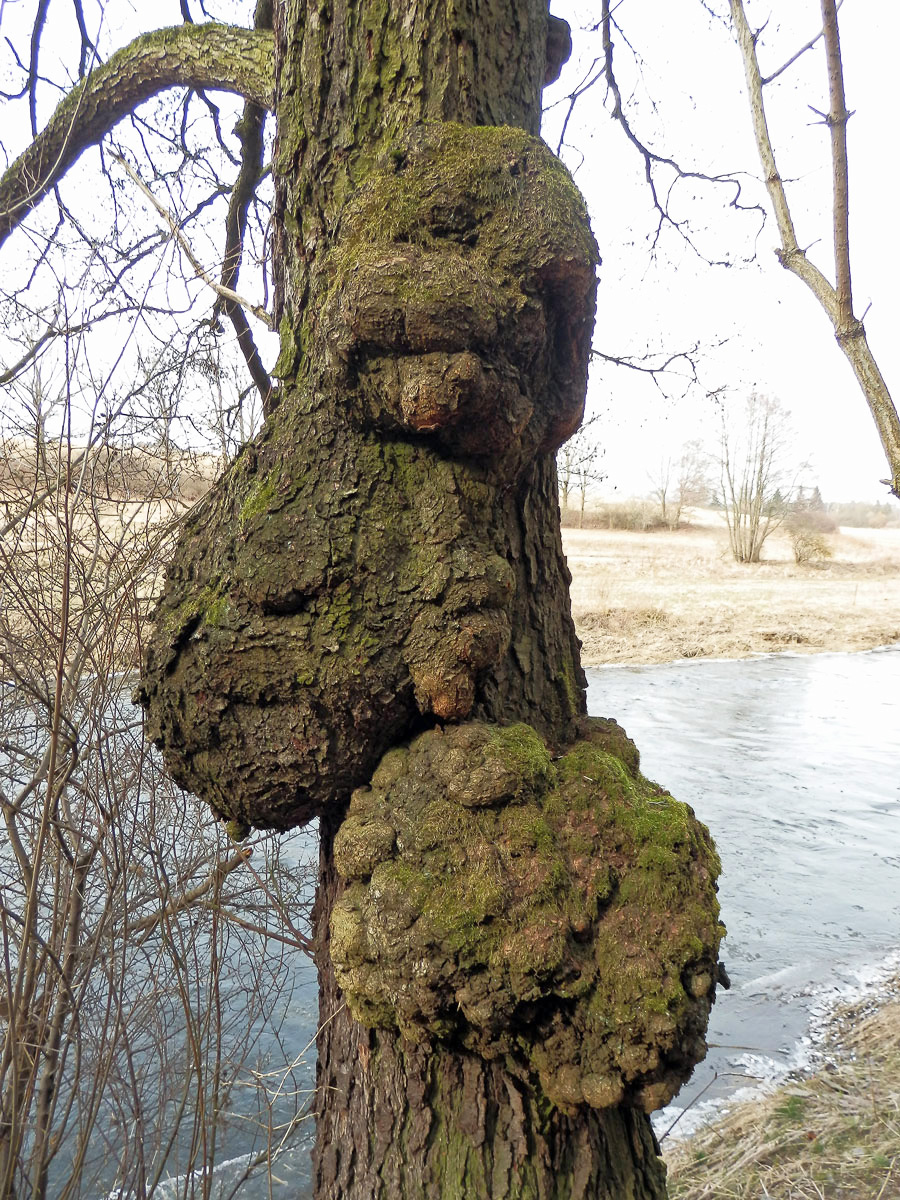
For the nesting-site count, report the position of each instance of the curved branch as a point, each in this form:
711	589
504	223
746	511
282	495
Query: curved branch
836	301
213	56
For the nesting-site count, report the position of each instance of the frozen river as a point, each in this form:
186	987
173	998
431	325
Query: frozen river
794	764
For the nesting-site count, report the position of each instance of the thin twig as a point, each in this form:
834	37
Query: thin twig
200	271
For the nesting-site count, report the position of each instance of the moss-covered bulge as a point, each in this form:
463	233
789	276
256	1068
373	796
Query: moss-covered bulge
558	912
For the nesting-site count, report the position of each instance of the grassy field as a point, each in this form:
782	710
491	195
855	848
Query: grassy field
660	595
834	1136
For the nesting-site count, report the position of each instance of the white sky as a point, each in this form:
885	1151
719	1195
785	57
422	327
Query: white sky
778	341
757	325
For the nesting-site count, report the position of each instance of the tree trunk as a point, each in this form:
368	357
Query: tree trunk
394	1118
411	1120
529	926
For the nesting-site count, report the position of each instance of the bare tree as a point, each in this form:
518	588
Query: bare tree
661	487
145	961
577	467
692	479
680	482
835	299
754	473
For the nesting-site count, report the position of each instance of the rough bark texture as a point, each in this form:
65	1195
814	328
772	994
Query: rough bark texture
362	570
386	559
422	1121
213	56
556	913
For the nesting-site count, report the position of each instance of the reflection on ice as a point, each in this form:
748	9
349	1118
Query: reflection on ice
792	763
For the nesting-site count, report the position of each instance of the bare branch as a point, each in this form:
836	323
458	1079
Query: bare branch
37	30
215	56
658	366
652	159
201	272
837	123
180	903
249	131
835	301
794	57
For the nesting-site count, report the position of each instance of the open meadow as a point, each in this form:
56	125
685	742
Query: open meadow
659	595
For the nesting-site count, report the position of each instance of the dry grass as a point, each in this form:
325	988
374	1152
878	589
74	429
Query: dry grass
658	596
835	1136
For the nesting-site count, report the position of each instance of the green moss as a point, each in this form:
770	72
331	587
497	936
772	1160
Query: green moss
483	164
217	609
337	618
527	829
288	349
496	179
571	693
571	921
442	823
459	906
260	498
237	831
523	750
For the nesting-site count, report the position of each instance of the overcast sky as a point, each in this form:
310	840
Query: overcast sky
757	326
776	339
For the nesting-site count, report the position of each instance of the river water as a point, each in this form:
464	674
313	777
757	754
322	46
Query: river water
794	764
793	761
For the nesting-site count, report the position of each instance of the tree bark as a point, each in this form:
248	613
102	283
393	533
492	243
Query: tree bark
424	1122
395	1118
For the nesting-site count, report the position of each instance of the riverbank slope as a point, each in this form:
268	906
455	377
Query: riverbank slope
834	1135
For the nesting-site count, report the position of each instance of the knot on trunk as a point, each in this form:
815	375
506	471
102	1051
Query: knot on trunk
333	592
559	48
459	296
559	912
350	579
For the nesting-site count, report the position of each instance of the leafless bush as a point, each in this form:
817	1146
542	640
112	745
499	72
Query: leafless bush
635	515
809	545
146	964
755	473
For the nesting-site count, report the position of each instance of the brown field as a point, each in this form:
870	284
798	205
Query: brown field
660	595
834	1136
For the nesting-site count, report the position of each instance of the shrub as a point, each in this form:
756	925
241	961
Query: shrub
809	545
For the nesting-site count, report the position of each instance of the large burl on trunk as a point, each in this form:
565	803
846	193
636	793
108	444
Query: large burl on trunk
373	601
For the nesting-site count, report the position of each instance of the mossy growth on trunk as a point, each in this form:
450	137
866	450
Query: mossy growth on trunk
557	912
351	578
